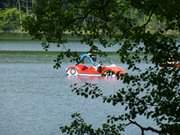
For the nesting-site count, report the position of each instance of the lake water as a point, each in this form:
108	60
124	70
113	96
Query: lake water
36	99
36	46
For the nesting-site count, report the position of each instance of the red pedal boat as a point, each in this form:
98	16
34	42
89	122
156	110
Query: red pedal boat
88	67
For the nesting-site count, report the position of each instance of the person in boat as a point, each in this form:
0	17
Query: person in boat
92	53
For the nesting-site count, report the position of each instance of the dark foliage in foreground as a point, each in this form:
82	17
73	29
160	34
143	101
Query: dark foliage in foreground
153	92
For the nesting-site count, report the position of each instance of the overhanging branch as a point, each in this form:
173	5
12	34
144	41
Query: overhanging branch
143	129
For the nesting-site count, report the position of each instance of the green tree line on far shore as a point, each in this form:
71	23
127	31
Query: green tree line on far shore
12	13
11	20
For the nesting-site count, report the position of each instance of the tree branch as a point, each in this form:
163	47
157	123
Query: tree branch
143	128
149	19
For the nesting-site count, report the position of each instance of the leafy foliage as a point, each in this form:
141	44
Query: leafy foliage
153	92
9	19
80	127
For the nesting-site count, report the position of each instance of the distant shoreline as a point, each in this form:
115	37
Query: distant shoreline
14	36
23	36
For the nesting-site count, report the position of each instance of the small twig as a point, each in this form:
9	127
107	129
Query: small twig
149	19
82	18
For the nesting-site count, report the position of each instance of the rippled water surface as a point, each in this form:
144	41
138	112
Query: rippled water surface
36	46
36	99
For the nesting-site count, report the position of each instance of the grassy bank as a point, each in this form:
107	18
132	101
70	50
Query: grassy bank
13	36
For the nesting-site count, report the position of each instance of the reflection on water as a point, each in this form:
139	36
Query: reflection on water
91	78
